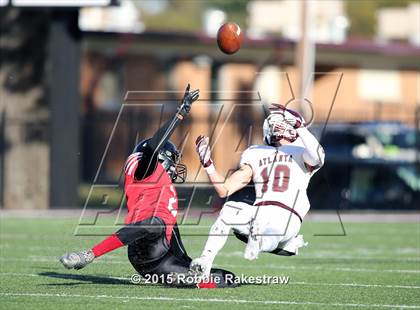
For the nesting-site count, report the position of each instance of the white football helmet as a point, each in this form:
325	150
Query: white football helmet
281	124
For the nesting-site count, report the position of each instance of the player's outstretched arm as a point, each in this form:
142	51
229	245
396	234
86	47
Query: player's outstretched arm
163	134
149	157
314	154
239	179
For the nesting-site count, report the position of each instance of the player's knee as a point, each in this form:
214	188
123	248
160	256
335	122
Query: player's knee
236	214
226	219
219	228
153	228
229	211
270	243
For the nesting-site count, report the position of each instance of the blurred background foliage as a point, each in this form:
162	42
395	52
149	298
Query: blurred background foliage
186	15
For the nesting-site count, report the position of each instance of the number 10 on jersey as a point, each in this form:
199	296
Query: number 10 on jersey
280	178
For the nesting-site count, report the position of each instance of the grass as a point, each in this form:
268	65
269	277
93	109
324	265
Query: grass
377	265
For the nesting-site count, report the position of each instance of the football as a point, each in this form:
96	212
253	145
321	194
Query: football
229	38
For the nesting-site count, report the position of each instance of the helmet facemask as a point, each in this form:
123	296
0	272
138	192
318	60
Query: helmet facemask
170	162
276	128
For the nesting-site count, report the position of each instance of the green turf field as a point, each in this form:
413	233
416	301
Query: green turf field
377	265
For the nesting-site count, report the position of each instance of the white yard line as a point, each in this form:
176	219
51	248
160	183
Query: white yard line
319	268
61	276
336	255
211	300
52	259
356	285
362	253
55	260
76	277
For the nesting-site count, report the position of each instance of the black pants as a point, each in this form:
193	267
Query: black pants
150	253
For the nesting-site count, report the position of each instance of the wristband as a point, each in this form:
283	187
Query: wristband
208	163
210	169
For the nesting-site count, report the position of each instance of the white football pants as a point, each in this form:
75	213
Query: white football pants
276	225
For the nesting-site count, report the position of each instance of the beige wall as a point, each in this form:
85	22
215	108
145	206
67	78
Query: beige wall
230	137
198	76
349	105
235	82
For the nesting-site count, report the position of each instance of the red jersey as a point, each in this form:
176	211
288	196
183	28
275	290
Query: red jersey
152	196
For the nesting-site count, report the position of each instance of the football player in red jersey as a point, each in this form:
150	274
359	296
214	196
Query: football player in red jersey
151	233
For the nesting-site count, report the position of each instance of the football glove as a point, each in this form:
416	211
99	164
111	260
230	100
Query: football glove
293	118
189	97
202	146
290	116
77	260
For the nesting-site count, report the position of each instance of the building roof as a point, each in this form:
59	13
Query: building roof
170	43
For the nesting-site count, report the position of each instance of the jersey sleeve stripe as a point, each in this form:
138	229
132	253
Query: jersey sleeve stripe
128	163
132	167
131	162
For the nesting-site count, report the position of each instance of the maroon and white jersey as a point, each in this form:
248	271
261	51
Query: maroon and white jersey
280	174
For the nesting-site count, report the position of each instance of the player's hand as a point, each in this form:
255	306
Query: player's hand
290	116
202	146
187	100
294	118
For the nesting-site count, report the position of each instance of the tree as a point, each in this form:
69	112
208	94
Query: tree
362	14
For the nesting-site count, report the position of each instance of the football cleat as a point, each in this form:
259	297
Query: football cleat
201	266
207	284
77	260
182	279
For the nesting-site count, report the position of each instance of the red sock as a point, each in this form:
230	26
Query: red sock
109	244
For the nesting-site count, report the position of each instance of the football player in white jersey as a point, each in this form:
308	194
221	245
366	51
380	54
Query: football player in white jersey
281	170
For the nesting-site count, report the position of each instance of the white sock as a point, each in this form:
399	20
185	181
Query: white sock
253	247
218	236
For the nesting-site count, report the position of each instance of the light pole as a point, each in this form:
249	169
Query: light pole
305	54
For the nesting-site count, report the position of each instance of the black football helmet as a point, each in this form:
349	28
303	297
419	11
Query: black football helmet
169	157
